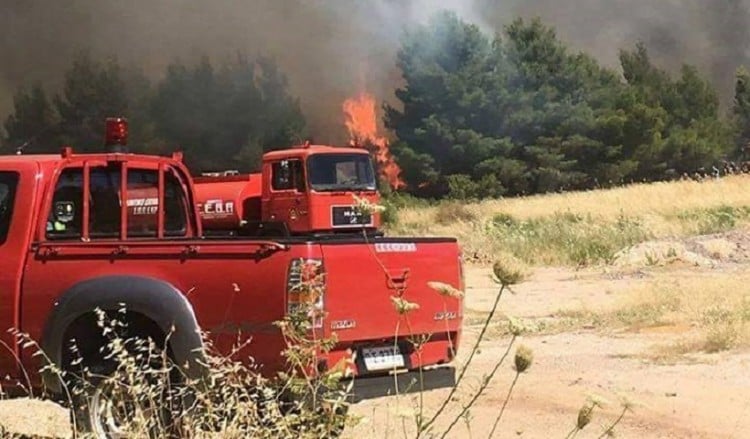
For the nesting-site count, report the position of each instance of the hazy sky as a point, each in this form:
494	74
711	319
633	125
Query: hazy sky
330	49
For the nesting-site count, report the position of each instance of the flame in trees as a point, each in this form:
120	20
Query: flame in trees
361	121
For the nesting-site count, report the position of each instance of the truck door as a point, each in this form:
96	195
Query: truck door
288	202
17	192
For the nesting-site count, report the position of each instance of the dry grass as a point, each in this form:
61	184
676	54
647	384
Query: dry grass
709	311
659	199
583	228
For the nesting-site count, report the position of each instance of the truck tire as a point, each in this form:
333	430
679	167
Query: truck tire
103	405
103	413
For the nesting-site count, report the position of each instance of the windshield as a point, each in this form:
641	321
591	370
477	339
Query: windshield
336	172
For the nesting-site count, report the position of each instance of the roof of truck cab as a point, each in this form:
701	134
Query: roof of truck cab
108	156
53	161
302	151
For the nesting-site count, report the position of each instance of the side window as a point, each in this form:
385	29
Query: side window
8	186
104	203
66	213
175	207
287	175
143	204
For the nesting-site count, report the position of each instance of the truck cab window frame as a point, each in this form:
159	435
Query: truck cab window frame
175	206
66	212
287	175
8	192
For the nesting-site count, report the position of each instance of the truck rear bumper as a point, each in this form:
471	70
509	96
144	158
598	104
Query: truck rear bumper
407	382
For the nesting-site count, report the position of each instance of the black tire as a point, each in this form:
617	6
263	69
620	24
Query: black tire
103	402
102	409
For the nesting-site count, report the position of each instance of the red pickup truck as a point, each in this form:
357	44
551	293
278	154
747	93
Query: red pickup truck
77	234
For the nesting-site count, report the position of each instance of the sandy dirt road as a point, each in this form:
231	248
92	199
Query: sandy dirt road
707	397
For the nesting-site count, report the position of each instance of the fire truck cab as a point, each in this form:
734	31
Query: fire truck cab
308	189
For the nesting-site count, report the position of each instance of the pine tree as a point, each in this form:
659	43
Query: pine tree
32	125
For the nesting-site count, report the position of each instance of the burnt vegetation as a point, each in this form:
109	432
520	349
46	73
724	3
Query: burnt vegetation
477	116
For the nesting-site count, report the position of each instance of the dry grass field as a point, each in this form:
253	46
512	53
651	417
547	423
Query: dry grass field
583	228
650	200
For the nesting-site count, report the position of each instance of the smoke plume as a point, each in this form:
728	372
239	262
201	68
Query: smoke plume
332	49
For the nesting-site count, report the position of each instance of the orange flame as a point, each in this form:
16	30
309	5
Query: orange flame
361	121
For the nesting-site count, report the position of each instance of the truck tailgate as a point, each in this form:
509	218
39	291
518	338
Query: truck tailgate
362	279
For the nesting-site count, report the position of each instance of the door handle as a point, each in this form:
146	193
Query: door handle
397	279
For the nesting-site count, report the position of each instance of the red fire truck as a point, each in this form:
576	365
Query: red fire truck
305	190
80	232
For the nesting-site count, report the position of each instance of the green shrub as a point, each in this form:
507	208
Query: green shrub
504	220
462	187
400	200
714	220
389	216
565	238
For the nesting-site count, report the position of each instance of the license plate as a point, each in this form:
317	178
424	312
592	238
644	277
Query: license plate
383	358
345	216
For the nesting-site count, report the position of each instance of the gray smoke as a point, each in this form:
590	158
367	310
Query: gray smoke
331	49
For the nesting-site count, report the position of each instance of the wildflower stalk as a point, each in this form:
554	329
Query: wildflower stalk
505	404
481	390
418	347
473	352
611	428
585	414
26	378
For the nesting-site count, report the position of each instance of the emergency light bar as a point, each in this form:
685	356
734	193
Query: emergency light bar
116	132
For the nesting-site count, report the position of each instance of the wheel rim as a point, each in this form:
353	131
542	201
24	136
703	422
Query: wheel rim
112	410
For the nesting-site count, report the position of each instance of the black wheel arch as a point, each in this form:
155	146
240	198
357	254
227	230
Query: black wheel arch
155	299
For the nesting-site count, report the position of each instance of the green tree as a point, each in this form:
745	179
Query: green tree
92	92
516	110
521	114
32	125
444	65
741	111
225	118
674	126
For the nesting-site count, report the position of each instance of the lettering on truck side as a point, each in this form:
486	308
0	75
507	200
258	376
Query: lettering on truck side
395	247
143	206
217	208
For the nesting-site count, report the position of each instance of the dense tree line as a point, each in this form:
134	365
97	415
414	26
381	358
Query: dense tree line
221	117
479	115
520	113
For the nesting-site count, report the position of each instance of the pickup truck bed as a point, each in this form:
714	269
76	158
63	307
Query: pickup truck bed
236	288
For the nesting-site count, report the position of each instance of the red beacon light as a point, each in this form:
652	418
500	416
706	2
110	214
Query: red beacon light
116	134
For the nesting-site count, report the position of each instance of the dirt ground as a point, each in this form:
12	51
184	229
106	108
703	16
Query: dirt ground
706	397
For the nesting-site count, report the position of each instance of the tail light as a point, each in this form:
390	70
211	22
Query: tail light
306	287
